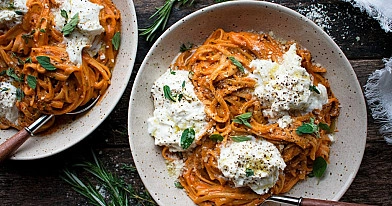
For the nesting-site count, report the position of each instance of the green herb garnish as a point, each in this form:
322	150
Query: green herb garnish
172	72
42	30
178	185
319	167
70	26
116	40
44	61
312	128
31	81
307	128
28	36
187	138
237	64
216	137
11	6
19	94
243	119
324	126
249	172
64	14
240	138
117	191
19	12
11	73
162	15
168	94
180	97
314	89
28	60
187	47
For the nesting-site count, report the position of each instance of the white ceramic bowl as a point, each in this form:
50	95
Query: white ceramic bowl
67	135
346	152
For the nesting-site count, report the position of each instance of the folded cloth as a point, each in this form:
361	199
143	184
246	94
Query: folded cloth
380	10
378	92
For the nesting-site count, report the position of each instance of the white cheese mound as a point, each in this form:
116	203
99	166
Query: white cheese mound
8	98
171	118
86	30
8	14
254	163
285	86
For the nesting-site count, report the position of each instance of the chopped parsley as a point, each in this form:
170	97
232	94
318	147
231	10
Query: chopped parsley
116	40
249	172
241	138
314	89
44	61
31	81
168	94
312	128
71	24
186	47
243	119
216	137
187	138
237	64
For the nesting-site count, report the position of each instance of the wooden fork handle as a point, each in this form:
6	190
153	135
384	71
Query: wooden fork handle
316	202
8	147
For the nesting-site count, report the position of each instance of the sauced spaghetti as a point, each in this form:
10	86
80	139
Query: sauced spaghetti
222	72
35	57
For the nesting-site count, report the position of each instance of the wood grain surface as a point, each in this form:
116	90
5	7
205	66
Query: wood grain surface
360	37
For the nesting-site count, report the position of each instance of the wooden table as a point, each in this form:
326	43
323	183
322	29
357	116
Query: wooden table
359	36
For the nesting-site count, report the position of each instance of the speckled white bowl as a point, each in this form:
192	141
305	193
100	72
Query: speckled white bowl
69	134
347	151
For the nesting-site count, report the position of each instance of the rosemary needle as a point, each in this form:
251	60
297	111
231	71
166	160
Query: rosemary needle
162	15
114	191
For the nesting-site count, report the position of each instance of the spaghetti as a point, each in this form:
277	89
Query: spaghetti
228	92
34	54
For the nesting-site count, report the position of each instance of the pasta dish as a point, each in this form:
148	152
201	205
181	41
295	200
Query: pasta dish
55	55
242	116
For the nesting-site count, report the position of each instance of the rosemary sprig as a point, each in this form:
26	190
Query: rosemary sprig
117	192
162	15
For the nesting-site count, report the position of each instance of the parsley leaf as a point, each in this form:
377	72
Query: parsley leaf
168	94
32	81
187	138
249	172
312	128
307	128
237	64
11	73
172	72
64	14
116	40
178	185
185	48
216	137
314	89
44	61
70	26
241	138
28	36
243	119
324	126
319	167
19	94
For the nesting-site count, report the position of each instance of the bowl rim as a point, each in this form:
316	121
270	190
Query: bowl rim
116	98
212	7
